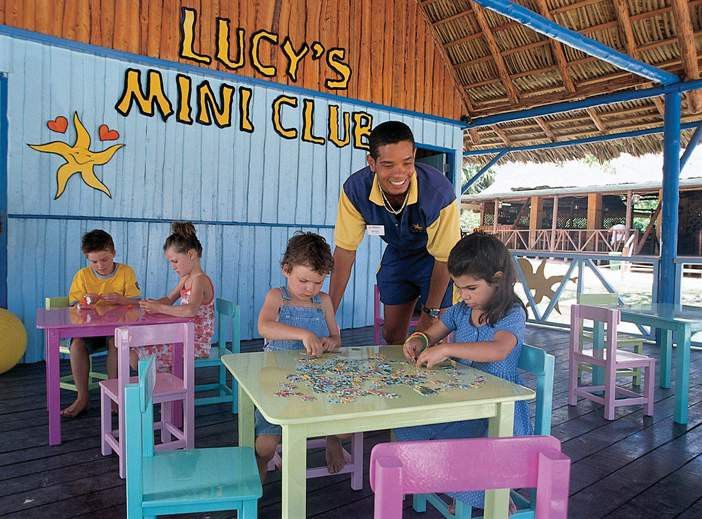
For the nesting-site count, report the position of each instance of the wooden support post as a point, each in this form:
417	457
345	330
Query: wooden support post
535	212
497	214
628	223
554	223
482	214
594	215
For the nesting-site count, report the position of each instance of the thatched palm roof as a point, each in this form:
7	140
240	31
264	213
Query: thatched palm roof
504	66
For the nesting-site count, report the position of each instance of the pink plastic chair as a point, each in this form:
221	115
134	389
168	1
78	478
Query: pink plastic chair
422	467
378	320
354	461
171	388
610	359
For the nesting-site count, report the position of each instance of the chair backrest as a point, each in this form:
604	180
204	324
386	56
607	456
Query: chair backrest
606	298
422	467
139	429
609	317
542	365
228	324
128	337
55	302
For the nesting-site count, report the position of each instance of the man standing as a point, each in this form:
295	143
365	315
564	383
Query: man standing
413	208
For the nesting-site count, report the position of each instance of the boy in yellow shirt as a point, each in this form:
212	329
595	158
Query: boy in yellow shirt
102	280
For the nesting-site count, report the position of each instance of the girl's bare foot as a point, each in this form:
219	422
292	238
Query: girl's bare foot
76	409
334	455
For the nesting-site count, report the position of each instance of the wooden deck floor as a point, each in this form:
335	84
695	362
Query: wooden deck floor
632	467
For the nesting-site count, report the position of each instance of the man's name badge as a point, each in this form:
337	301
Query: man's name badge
375	230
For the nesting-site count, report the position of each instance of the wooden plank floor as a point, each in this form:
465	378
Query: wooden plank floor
632	467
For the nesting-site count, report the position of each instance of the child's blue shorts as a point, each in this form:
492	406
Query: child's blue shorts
404	276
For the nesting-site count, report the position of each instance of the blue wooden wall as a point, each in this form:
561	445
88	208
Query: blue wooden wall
254	190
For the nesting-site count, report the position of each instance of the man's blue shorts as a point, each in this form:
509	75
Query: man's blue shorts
404	276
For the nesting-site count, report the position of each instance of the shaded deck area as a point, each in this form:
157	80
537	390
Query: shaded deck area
632	467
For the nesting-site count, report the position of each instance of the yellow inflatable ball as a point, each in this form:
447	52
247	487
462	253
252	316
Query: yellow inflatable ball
13	340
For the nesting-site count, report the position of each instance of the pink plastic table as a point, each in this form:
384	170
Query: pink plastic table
98	321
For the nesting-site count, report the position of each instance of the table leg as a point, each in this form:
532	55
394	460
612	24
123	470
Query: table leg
682	373
53	390
294	472
665	342
246	419
502	424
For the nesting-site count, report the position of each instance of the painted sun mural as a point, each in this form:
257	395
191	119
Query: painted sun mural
79	158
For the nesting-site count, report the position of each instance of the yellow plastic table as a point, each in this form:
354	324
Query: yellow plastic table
259	376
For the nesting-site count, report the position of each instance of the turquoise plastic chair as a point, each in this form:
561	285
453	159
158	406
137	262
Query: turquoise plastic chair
66	381
540	364
184	481
228	319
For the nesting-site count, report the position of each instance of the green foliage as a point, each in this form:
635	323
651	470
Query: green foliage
483	182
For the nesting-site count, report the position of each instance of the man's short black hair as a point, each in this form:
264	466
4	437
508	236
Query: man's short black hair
389	132
96	240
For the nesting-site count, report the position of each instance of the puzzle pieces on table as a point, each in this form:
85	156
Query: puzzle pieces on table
342	380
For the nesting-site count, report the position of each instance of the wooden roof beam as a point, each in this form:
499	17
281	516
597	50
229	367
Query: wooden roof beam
557	49
545	128
601	127
688	52
495	51
502	135
474	136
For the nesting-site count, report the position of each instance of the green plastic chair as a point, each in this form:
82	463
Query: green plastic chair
66	381
181	481
611	299
542	365
228	325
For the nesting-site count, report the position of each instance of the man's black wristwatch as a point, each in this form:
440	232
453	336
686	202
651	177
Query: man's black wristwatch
431	312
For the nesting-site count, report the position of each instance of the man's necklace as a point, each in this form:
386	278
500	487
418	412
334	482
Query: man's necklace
388	205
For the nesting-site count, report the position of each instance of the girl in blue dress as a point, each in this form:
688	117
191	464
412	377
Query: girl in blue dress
488	324
296	317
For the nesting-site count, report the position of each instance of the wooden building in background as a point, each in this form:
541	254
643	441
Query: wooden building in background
244	117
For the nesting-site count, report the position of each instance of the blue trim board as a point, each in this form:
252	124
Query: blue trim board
22	34
691	145
568	106
577	142
66	217
483	170
578	41
3	190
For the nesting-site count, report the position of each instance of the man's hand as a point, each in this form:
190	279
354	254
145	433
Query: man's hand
330	343
424	323
116	299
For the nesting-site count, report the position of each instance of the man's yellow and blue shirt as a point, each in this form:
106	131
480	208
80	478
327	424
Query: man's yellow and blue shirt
430	221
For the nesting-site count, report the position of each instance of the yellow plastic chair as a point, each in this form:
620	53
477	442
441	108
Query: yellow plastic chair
611	299
67	382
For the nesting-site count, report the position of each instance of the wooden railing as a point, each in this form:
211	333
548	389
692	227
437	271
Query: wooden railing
568	240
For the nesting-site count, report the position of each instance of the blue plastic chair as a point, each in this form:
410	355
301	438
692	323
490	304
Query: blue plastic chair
540	364
228	320
184	481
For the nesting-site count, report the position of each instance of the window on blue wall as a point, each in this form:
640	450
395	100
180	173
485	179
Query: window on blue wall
439	159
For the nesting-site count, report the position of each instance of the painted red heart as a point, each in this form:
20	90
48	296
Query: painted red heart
106	134
58	125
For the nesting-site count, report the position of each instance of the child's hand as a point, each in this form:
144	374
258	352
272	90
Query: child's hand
313	344
412	348
89	299
115	299
432	356
150	306
330	344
